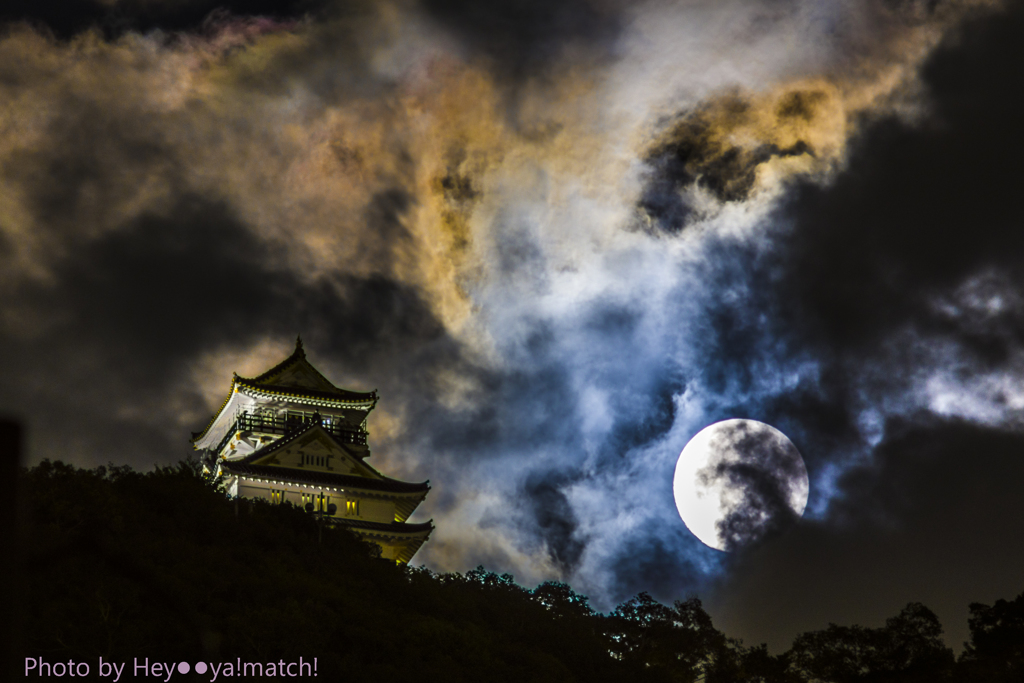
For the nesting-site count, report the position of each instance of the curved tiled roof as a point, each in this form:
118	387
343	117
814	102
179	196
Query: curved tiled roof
409	536
316	478
299	355
393	527
200	434
329	392
340	395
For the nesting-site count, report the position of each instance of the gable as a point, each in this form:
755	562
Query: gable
298	374
315	451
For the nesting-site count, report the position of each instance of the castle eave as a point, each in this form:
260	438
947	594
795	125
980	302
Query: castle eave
351	400
407	538
392	530
317	478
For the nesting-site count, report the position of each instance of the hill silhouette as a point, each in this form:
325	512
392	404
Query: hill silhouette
120	564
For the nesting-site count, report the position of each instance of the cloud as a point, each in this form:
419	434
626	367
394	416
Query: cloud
117	17
141	302
921	213
522	40
768	472
723	147
560	239
899	280
929	519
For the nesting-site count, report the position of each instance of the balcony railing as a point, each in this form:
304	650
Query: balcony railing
260	423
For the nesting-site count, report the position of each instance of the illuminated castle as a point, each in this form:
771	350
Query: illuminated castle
290	436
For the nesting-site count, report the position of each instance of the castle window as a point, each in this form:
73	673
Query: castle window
352	507
294	419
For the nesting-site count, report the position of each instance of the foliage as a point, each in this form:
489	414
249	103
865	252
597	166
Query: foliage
122	564
679	640
995	652
908	648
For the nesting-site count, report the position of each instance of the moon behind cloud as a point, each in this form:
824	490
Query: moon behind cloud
737	480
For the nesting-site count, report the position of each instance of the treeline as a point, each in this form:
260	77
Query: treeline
119	564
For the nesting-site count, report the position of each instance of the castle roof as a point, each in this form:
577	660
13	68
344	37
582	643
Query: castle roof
381	527
296	376
293	379
256	464
409	536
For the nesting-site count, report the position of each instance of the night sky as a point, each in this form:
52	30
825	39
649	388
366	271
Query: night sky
560	238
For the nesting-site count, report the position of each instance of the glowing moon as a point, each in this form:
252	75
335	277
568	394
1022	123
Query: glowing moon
738	480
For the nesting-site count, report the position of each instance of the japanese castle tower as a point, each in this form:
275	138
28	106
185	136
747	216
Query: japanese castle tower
290	436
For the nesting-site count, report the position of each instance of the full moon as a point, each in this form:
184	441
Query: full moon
738	480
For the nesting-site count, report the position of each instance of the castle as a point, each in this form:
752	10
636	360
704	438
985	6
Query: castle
291	436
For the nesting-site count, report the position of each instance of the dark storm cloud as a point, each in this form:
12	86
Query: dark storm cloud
907	266
183	201
524	38
530	410
527	425
653	420
652	563
97	160
917	243
695	153
554	517
67	18
765	478
177	283
918	212
933	518
144	300
166	285
138	303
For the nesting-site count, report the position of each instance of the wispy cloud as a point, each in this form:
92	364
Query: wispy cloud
560	238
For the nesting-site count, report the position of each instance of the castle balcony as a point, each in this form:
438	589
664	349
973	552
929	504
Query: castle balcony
261	423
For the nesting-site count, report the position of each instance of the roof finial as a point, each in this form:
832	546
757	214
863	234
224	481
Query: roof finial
298	344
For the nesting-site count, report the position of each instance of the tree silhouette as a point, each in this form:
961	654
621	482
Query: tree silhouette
995	652
678	642
122	564
909	648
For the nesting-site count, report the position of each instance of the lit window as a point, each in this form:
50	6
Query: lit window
352	507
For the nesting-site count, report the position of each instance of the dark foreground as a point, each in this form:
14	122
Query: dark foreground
162	568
